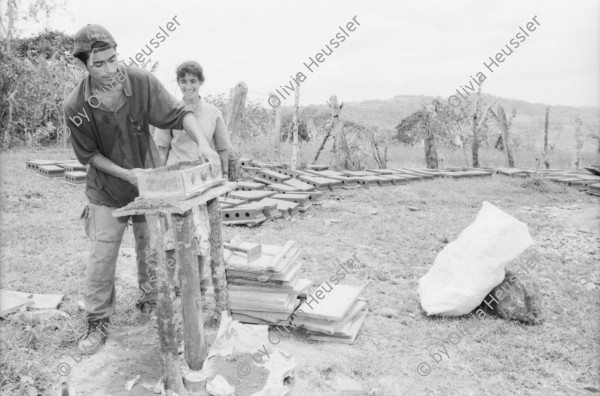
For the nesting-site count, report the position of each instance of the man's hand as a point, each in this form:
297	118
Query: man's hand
215	162
131	175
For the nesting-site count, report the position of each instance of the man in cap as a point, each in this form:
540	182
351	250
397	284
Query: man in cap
108	115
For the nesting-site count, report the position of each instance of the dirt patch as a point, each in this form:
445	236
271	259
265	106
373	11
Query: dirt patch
240	371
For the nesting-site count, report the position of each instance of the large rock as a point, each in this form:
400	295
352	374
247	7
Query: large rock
516	298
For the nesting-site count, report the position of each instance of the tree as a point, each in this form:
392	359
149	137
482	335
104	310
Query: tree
34	80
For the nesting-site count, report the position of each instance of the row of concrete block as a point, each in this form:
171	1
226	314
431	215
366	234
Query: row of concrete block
72	171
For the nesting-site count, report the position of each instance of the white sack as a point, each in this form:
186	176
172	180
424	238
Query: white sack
467	269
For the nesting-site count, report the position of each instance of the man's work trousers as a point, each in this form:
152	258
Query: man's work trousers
106	233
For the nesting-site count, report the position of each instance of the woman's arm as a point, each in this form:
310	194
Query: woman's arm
224	156
163	153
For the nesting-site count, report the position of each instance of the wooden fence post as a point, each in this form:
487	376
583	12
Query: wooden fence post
277	131
235	115
165	314
546	148
215	217
504	129
191	300
294	162
342	152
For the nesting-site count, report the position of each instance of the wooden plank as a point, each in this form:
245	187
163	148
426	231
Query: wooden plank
335	302
143	206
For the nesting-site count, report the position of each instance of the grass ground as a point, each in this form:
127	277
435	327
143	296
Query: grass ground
43	249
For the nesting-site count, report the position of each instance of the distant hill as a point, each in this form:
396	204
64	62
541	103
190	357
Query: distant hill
528	125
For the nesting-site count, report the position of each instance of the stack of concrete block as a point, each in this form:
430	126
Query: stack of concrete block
264	290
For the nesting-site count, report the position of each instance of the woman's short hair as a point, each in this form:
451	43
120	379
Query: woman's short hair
191	67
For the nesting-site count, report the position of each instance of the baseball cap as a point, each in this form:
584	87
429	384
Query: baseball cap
88	35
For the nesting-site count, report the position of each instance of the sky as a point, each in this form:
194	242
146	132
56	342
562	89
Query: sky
429	47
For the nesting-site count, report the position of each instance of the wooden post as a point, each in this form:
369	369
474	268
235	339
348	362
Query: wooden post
235	114
327	134
579	140
504	129
475	143
165	314
215	216
342	152
277	131
546	148
294	161
191	301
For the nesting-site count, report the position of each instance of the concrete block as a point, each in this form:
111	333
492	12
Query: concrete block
292	173
317	167
179	181
273	176
245	162
251	196
75	177
261	180
249	186
396	179
300	185
368	181
346	181
357	173
270	210
74	167
282	188
51	171
286	207
303	200
231	201
33	165
244	214
321	183
380	171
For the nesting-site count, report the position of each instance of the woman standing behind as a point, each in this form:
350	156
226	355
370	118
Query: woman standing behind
175	145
